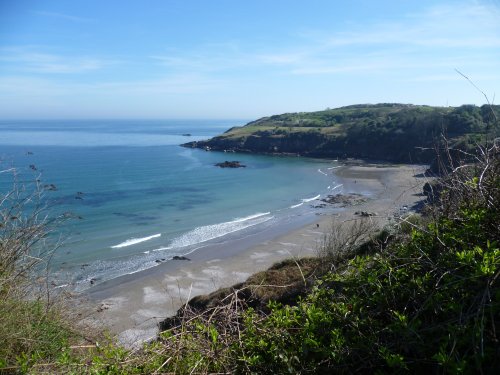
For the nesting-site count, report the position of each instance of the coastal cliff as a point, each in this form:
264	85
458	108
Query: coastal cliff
391	132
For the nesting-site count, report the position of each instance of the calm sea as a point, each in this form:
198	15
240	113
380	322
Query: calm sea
140	198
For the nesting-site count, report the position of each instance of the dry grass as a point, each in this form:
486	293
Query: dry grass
35	323
345	237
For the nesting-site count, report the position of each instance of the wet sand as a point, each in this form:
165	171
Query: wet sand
131	306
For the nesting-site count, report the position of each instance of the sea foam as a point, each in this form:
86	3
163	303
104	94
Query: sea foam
305	200
337	186
311	199
210	232
133	241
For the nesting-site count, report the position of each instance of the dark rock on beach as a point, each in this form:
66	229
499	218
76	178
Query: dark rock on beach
230	164
344	200
365	213
180	258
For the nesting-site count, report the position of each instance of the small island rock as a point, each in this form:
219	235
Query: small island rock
230	164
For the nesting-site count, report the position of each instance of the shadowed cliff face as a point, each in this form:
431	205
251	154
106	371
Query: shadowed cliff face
391	132
296	143
318	145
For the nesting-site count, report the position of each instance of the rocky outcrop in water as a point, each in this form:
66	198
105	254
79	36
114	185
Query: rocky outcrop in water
230	164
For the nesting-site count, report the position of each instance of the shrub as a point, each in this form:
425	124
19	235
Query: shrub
32	326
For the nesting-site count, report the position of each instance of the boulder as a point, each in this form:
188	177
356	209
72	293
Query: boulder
177	257
230	164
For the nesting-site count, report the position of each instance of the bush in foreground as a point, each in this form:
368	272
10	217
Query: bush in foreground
33	328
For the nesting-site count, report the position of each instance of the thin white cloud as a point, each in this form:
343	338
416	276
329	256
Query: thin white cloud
342	67
447	26
33	61
410	61
203	61
281	58
175	84
451	77
23	86
437	36
30	87
174	61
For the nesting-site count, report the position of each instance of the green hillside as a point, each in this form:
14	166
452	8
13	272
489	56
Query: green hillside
392	132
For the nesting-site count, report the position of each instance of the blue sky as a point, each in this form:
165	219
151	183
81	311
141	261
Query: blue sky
241	59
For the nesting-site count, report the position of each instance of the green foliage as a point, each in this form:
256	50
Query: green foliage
31	332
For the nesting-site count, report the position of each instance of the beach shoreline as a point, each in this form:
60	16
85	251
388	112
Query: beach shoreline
131	306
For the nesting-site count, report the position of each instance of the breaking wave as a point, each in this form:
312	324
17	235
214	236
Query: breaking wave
210	232
133	241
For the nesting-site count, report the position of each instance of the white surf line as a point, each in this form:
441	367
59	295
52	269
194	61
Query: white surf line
305	200
320	171
133	241
255	216
311	199
206	233
336	187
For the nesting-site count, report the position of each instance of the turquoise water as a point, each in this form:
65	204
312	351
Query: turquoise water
141	198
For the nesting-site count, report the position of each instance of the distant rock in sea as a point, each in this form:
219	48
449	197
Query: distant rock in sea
230	164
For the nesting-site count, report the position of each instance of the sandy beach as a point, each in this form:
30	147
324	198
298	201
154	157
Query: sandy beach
131	306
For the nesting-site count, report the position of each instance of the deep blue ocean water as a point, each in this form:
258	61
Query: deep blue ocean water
138	197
